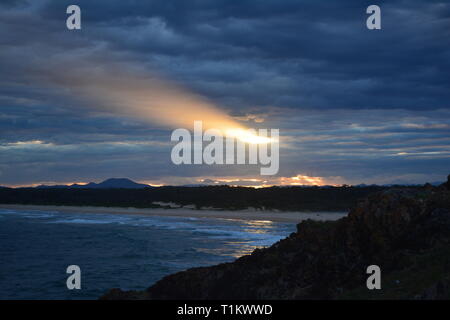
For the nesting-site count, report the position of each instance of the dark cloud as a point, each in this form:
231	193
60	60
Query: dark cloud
13	3
377	101
318	49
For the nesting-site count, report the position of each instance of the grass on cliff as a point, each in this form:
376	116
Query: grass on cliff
424	271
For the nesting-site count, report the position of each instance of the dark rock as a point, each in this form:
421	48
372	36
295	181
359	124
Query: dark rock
323	260
428	186
439	291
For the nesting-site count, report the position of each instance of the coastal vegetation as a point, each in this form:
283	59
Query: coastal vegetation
218	197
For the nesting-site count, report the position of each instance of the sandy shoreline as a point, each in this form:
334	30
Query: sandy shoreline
218	214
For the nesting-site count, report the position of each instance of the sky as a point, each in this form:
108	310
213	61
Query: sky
352	105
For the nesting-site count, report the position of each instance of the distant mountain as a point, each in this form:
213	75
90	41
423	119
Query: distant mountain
120	183
113	183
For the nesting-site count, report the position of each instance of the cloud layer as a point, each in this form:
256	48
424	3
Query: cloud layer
364	106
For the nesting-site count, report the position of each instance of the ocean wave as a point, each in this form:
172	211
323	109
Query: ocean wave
254	233
27	214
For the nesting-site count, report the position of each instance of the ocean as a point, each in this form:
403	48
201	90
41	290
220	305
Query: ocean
115	251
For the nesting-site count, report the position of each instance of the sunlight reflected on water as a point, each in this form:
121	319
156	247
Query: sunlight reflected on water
237	247
234	249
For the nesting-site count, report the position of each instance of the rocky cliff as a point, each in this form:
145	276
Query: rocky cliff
406	232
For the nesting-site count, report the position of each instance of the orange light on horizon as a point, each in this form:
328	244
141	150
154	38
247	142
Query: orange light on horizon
49	183
249	182
299	180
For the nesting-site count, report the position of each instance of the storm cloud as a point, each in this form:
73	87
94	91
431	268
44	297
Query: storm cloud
353	105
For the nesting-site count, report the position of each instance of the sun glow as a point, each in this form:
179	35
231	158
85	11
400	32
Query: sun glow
248	137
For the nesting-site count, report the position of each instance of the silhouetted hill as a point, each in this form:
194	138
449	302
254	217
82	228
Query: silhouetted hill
404	231
120	183
219	197
113	183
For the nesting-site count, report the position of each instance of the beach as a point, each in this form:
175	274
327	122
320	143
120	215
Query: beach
116	248
251	214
